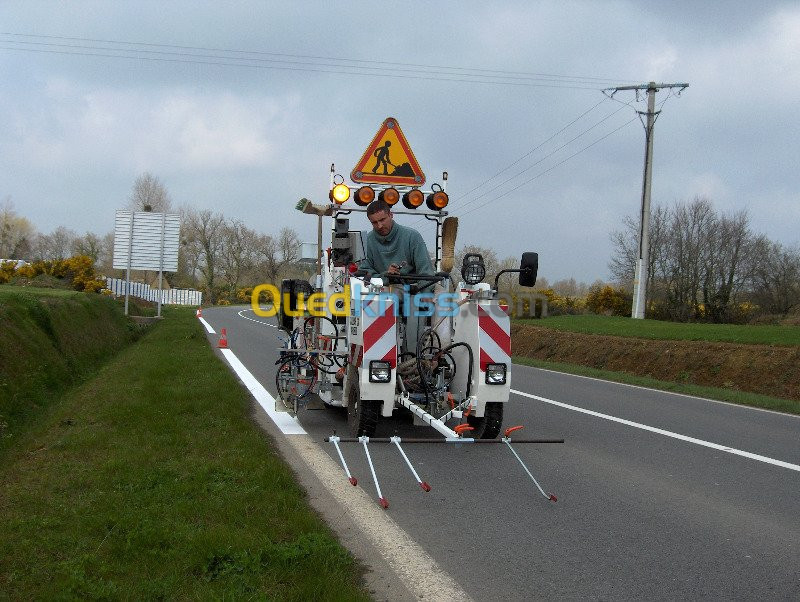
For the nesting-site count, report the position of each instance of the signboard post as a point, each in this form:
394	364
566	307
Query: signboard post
146	241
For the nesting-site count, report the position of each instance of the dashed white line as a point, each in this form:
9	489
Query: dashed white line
652	429
239	313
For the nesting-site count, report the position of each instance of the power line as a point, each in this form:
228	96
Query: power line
270	63
563	161
533	150
571	123
303	69
541	160
550	154
476	71
528	181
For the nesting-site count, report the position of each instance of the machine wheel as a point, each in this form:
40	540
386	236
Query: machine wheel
362	414
489	426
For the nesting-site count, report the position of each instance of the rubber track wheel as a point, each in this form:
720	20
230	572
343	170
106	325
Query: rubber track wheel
489	426
362	414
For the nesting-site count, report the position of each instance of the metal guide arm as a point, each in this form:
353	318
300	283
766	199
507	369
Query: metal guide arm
423	484
381	500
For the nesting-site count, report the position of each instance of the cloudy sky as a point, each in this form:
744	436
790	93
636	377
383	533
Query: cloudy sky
241	107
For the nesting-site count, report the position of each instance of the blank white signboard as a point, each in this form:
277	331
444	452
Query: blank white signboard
142	233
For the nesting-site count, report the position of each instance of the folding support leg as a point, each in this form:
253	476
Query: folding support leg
549	496
381	500
335	440
423	484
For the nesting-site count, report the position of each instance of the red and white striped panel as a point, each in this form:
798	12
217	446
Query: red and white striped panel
380	337
495	336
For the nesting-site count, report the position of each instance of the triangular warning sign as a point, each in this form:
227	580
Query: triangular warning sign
388	159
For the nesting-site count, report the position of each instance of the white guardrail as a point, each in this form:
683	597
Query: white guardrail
173	296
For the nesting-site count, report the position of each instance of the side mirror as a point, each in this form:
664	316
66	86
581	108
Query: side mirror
528	269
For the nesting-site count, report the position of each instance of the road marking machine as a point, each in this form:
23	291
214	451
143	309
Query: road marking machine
378	343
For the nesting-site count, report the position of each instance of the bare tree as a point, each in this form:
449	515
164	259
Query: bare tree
289	245
105	258
508	282
625	252
570	287
89	244
149	191
239	254
277	254
701	261
730	244
16	233
268	258
775	278
56	245
622	264
204	242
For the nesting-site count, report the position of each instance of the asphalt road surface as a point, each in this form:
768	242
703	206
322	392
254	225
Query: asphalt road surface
660	496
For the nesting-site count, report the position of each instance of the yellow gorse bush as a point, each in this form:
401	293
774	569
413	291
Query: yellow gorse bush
7	271
605	299
77	270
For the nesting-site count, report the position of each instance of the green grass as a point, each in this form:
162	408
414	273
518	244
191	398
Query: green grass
657	329
10	290
51	339
150	481
730	395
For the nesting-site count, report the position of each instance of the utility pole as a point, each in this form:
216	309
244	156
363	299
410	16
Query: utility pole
642	261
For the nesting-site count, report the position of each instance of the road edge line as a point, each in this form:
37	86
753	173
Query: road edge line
666	433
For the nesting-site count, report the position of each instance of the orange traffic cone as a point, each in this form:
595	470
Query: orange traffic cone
199	313
223	339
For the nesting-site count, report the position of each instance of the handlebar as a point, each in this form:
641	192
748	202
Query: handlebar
410	278
425	279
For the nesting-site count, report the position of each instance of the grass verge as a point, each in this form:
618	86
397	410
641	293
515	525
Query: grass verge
50	340
733	396
150	481
677	331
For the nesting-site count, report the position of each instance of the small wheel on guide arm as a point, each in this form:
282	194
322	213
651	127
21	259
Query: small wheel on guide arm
489	426
362	414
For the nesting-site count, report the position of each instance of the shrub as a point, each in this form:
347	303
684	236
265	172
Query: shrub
244	295
77	270
606	300
7	270
562	304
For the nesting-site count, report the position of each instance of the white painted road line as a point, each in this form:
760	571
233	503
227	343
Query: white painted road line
254	320
676	394
207	325
652	429
288	424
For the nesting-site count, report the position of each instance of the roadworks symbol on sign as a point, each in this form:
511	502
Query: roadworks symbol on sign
388	159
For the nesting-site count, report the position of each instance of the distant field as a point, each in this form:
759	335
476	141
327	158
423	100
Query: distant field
656	329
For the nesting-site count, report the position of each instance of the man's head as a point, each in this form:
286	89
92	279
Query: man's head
380	216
